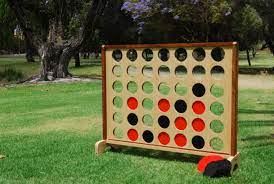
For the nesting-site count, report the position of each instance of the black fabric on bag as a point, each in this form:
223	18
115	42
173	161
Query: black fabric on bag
218	169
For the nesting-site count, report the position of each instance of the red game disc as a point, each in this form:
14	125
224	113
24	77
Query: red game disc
180	140
132	135
132	103
180	123
164	138
198	124
198	107
206	160
164	105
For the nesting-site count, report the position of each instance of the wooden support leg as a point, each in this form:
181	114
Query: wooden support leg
234	160
100	147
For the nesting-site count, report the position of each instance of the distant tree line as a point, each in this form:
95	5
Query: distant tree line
57	30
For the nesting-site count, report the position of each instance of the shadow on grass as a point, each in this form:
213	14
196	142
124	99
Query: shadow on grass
256	123
259	145
162	155
251	111
258	141
259	138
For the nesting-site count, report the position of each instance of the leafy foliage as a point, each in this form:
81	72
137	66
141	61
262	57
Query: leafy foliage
247	26
10	74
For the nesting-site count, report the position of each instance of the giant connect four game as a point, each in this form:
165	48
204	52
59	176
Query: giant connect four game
172	97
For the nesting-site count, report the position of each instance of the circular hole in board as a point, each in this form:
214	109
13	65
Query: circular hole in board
164	105
132	135
198	90
118	102
132	87
117	55
132	103
199	54
164	138
199	72
117	86
147	54
117	70
118	133
163	121
216	144
180	140
217	126
148	104
180	106
163	54
217	91
181	71
198	125
217	108
118	117
217	72
148	120
148	87
147	71
132	71
164	71
163	88
148	136
132	119
132	54
198	142
180	123
218	54
181	54
198	107
180	89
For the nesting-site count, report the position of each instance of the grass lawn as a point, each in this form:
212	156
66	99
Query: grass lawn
89	67
48	134
263	59
92	67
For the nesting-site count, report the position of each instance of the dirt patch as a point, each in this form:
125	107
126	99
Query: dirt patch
256	81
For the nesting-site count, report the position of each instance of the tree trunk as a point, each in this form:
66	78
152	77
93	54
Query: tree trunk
254	52
54	61
55	53
77	60
271	47
30	52
248	58
29	56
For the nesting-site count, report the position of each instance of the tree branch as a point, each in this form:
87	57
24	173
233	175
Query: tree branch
21	17
94	13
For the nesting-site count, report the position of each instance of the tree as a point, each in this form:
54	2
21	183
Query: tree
7	24
247	28
188	20
265	8
45	24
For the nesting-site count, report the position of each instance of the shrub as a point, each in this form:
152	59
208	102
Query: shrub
10	74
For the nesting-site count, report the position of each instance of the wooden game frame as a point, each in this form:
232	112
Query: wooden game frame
231	155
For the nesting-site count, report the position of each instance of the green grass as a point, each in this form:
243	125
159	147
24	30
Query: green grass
20	65
263	59
92	67
48	134
89	67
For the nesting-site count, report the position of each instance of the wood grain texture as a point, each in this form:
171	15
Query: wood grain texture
104	92
170	45
229	100
234	112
